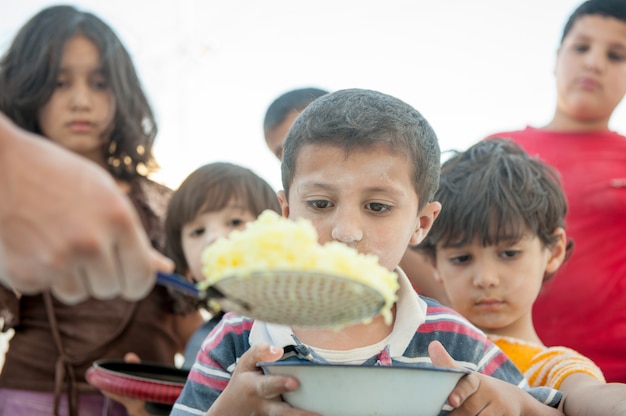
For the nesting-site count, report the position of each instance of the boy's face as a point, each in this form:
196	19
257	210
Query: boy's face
275	138
206	227
495	286
366	199
591	68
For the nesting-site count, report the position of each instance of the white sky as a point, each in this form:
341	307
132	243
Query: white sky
211	68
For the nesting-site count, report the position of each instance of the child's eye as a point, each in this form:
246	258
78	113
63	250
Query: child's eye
319	204
378	207
510	254
100	84
61	83
464	258
236	222
616	56
197	232
581	48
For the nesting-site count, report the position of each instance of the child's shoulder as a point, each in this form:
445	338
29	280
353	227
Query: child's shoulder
443	319
434	307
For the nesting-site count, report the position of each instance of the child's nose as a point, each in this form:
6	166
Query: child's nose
216	232
347	230
595	60
81	96
484	276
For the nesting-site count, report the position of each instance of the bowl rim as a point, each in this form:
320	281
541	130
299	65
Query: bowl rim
118	380
420	366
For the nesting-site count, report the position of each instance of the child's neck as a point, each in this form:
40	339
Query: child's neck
523	329
346	338
563	123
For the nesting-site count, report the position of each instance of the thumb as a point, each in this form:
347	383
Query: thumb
440	357
162	263
258	353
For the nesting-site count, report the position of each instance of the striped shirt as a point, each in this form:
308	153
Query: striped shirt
419	321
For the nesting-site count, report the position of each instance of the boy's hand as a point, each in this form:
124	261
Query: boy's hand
250	392
478	394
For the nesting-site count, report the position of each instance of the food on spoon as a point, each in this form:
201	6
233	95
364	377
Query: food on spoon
276	243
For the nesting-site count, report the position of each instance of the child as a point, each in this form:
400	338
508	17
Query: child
279	117
281	114
212	201
68	77
499	237
590	76
363	167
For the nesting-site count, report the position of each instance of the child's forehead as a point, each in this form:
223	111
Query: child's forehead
488	238
371	155
363	167
373	151
597	26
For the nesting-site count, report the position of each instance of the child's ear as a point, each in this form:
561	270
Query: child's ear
432	262
426	217
437	277
557	251
284	205
556	60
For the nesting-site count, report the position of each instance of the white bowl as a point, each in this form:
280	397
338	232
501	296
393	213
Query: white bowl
346	390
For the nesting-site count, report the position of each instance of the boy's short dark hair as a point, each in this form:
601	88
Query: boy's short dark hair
358	119
294	100
494	192
606	8
210	188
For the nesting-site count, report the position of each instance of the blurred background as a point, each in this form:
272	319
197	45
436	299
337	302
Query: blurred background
211	68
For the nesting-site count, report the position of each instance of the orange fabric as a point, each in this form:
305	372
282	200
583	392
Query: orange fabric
546	366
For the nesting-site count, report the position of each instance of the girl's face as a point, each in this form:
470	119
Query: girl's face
495	286
365	199
591	69
207	227
80	111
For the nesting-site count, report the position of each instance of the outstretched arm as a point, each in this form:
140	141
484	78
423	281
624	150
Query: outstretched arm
65	225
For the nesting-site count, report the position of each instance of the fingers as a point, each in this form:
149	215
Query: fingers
137	262
268	387
273	386
71	288
99	272
131	357
162	263
258	353
440	357
466	386
251	392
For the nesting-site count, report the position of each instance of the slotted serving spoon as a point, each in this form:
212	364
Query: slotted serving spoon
294	298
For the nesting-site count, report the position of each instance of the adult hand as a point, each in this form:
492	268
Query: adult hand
65	225
479	394
250	392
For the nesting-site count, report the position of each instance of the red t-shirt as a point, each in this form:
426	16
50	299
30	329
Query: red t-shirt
584	306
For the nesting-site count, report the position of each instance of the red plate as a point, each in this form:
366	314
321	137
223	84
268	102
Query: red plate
154	383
